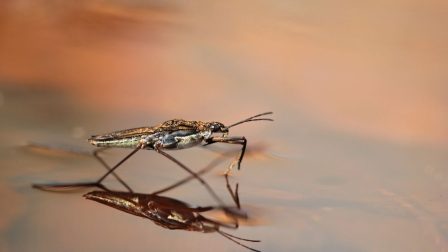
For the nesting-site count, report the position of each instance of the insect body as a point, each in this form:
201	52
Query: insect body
172	134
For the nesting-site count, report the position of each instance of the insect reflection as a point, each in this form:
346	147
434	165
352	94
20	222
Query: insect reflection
166	212
172	213
174	134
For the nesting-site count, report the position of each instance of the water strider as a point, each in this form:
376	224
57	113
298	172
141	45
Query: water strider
174	134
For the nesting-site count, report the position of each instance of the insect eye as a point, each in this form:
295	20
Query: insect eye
214	127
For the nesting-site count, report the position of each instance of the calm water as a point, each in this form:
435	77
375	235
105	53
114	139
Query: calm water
356	159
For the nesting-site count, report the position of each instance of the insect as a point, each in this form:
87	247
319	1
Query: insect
174	134
171	213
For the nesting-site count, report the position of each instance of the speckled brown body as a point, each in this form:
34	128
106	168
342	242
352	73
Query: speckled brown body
168	126
172	134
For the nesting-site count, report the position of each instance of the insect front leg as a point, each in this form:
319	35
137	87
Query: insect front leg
230	140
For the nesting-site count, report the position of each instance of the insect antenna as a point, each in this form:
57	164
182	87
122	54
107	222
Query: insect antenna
232	238
252	119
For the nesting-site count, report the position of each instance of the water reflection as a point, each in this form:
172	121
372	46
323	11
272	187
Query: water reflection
173	214
166	212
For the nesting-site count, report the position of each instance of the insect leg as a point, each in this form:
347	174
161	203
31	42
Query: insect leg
101	160
234	212
230	140
235	196
58	187
215	225
210	166
120	163
209	189
231	237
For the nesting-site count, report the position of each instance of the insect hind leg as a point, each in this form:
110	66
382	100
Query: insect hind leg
60	187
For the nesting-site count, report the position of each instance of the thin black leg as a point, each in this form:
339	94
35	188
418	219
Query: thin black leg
235	195
210	166
209	189
230	140
59	187
101	160
64	187
118	164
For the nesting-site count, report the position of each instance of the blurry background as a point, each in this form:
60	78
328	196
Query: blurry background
356	159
